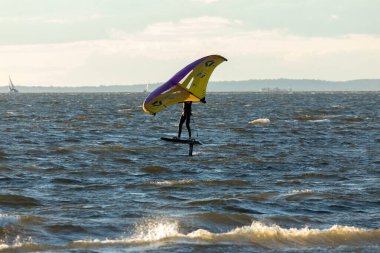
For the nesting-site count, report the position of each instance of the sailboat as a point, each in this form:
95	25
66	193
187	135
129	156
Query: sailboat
146	88
11	86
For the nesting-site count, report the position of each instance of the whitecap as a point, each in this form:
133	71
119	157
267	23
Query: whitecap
261	121
259	234
299	191
172	182
320	120
18	242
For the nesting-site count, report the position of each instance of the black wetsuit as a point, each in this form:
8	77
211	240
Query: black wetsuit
185	117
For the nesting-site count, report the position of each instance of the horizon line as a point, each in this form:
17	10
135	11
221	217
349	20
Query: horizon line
155	83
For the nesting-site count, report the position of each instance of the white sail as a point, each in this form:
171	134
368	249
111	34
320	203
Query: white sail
146	88
11	87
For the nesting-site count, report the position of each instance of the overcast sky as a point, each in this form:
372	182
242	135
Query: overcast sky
104	42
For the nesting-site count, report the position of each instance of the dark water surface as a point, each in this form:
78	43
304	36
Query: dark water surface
276	172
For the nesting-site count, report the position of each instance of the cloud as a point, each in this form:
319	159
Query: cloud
184	28
206	1
215	34
334	17
269	52
50	20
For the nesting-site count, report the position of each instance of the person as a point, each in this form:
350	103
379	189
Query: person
185	117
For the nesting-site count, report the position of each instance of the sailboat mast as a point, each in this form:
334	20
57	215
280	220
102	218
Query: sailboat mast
11	86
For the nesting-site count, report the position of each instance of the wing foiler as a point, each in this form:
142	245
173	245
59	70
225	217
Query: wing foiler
193	88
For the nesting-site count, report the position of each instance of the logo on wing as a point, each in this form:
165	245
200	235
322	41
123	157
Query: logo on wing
157	103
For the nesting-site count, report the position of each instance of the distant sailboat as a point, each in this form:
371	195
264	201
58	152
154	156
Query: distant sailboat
11	87
146	88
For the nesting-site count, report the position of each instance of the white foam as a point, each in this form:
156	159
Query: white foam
319	120
6	218
17	243
257	234
172	182
153	230
299	191
149	231
263	121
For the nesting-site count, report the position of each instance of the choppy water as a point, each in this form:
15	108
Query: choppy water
276	172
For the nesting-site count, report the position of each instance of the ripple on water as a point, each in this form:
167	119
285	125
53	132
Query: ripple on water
190	182
155	169
18	201
65	181
222	219
314	175
65	228
3	155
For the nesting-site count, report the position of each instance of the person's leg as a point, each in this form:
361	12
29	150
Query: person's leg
182	119
188	126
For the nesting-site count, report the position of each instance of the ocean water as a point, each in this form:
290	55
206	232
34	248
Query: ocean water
276	172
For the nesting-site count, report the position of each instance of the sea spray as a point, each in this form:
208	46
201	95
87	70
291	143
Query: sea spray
155	229
17	242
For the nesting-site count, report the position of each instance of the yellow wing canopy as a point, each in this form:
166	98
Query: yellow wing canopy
193	88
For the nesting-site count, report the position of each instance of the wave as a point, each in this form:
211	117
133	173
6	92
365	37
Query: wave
5	220
156	233
62	150
263	121
18	200
305	191
196	182
171	182
3	155
153	169
263	196
297	195
309	118
222	219
352	119
257	234
320	120
65	181
313	175
106	149
18	242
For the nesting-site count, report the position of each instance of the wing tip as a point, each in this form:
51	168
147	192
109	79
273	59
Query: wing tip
217	55
147	110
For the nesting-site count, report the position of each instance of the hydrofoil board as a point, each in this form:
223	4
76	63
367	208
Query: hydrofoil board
176	140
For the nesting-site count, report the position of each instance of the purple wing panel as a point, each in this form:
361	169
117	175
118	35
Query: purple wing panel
173	81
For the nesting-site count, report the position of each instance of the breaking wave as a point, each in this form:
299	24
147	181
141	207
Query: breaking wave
263	121
196	182
257	234
260	236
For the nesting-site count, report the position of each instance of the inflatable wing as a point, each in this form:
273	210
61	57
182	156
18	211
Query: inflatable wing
193	88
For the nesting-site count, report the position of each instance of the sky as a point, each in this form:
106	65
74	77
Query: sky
108	42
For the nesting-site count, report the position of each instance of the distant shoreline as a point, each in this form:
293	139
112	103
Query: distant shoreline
264	85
